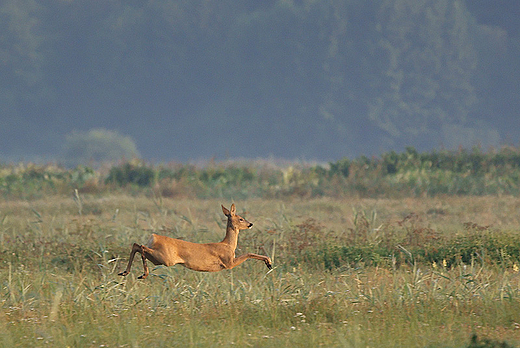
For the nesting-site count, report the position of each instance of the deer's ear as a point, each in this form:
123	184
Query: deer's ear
233	209
225	211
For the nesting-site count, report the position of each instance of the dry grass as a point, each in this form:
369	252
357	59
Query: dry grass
59	259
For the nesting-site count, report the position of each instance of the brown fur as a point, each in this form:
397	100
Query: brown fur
209	257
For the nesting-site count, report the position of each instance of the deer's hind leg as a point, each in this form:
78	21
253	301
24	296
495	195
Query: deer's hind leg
136	248
145	266
146	254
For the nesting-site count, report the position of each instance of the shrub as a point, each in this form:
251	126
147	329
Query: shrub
134	172
97	146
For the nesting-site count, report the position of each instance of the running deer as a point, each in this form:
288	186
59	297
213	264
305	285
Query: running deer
209	257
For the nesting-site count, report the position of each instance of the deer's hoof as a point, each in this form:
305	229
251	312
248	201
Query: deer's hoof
123	273
142	276
268	264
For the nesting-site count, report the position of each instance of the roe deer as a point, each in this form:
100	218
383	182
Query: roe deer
209	257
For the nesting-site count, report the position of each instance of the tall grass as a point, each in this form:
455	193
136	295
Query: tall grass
59	262
406	174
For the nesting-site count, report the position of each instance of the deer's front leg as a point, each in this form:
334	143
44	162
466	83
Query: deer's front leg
238	260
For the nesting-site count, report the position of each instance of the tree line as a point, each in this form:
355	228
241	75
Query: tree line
306	79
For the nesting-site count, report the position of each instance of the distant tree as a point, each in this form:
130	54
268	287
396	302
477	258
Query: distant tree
97	146
426	60
23	81
314	79
21	46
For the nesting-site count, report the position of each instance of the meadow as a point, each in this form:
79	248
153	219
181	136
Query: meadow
60	257
405	250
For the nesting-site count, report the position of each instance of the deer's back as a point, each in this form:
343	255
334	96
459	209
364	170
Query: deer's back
198	256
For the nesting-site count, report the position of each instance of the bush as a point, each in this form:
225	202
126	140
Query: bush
97	146
134	172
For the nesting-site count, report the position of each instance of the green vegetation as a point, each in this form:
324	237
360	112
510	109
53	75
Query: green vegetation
410	173
364	253
30	180
60	258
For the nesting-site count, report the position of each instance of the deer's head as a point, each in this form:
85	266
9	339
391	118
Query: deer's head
236	221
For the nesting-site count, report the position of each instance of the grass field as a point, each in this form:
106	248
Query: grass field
59	259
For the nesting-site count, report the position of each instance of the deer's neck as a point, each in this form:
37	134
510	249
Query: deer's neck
231	237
